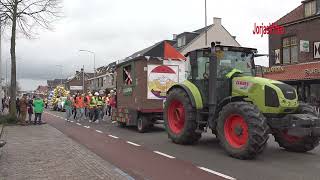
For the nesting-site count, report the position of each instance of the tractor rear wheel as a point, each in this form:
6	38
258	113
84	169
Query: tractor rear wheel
242	130
180	118
294	143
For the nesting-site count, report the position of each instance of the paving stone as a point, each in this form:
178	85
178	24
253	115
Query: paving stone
42	152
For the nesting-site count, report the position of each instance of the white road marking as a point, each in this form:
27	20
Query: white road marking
217	173
132	143
72	121
78	124
163	154
65	119
87	127
99	131
113	136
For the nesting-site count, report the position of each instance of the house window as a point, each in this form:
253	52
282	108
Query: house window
127	78
310	8
290	50
101	79
181	41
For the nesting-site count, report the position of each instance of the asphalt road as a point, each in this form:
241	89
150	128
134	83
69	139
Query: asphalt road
275	163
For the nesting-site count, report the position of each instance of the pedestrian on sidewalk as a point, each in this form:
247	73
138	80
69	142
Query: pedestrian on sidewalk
18	107
68	107
30	110
38	106
23	108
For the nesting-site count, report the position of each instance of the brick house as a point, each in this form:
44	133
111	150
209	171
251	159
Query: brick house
296	53
104	81
78	81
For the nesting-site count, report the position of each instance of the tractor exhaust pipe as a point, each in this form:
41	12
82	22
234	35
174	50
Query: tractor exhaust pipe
212	102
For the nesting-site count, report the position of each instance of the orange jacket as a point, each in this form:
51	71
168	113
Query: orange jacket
79	102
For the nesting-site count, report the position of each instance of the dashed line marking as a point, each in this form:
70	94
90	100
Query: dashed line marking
99	131
87	127
78	124
217	173
71	121
132	143
163	154
113	136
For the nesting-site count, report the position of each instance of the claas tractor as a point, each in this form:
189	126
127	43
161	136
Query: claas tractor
222	93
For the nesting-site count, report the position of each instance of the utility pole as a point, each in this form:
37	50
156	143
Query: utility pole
205	21
94	65
83	79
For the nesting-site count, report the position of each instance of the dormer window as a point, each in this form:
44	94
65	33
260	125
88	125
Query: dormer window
310	8
181	41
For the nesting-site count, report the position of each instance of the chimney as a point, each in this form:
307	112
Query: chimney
216	21
174	36
234	37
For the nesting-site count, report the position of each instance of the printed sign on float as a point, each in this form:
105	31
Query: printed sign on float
160	79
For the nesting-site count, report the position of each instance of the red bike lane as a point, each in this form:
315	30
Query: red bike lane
137	161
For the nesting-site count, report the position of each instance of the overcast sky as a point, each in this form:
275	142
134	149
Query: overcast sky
116	29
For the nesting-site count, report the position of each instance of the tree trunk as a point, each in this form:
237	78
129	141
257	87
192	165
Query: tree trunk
13	91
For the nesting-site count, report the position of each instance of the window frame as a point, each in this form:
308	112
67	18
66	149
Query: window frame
132	74
289	44
309	8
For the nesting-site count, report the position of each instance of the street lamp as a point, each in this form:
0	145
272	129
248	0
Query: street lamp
94	65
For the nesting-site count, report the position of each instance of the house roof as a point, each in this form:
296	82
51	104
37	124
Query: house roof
300	72
294	15
163	49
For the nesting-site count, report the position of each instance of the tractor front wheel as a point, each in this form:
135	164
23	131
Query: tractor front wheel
180	118
242	130
294	143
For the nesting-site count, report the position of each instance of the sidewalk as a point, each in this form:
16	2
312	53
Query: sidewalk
42	152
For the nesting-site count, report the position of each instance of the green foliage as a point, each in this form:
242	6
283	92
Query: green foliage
7	119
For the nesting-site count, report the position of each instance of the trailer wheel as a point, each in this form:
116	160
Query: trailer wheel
180	118
242	130
142	124
298	144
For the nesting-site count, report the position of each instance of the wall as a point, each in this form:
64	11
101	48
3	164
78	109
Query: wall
308	31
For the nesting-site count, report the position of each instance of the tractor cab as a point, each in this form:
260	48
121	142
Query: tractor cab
230	62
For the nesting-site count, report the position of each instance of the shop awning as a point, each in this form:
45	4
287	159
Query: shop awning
303	71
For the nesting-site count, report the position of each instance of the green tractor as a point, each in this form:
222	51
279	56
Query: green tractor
223	94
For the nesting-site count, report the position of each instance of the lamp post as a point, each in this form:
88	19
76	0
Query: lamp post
94	65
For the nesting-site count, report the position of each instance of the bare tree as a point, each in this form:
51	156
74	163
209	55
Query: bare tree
23	16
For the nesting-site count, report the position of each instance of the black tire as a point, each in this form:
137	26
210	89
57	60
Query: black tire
188	134
295	144
142	124
256	133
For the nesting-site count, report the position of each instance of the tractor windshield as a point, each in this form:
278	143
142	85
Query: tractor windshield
228	60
